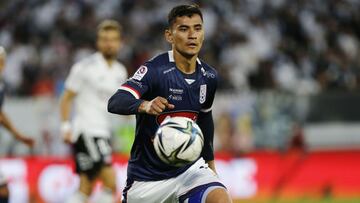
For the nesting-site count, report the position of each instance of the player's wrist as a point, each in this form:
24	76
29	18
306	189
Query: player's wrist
65	127
143	106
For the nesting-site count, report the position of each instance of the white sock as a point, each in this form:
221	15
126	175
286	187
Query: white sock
105	196
77	197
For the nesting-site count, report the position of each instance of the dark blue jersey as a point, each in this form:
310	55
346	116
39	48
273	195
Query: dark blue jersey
192	96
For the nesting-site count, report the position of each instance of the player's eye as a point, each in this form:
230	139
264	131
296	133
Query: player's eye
182	29
198	28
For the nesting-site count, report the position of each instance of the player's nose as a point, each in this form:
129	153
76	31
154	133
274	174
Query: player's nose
191	34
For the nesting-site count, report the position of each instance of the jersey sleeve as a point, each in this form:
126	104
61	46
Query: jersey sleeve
128	98
206	124
75	80
141	82
205	119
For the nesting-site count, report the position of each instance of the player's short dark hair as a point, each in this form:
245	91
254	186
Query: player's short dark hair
183	10
108	24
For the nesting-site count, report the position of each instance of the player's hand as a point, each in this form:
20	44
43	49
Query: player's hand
155	106
67	137
26	140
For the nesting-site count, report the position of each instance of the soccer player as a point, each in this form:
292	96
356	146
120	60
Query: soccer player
89	85
175	83
4	121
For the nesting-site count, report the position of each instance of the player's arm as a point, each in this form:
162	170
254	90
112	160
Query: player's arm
123	103
5	121
212	165
128	99
65	110
73	84
206	124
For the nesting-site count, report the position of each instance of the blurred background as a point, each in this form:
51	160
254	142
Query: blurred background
286	112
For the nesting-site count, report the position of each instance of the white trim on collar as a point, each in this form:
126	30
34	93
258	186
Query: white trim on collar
171	57
198	60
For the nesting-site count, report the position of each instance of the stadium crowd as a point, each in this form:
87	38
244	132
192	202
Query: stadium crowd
300	46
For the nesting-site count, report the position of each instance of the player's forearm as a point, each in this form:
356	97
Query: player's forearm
143	106
206	124
8	125
65	109
123	103
65	106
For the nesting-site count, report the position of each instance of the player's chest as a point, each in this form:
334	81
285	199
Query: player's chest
183	95
103	80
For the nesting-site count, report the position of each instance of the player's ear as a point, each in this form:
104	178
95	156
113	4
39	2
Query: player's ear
169	36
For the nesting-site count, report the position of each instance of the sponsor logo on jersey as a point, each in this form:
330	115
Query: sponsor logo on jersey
202	97
169	70
207	73
175	94
175	97
140	73
176	91
188	114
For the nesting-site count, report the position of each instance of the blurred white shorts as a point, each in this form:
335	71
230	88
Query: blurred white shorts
175	189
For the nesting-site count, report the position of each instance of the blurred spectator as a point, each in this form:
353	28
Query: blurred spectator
274	49
224	133
300	46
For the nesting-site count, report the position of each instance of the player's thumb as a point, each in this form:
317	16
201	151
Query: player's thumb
170	106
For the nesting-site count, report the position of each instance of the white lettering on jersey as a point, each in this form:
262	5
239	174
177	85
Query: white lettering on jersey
169	70
176	91
202	97
140	73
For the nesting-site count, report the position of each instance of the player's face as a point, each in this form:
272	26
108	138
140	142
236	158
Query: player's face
186	35
109	43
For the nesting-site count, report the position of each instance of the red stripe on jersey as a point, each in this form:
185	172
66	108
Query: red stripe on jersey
188	114
125	87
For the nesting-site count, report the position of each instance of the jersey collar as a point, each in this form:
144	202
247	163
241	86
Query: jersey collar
101	59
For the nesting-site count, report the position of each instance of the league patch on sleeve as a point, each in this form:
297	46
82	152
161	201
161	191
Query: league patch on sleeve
140	73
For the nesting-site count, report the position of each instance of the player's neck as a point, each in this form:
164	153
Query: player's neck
185	64
109	62
108	59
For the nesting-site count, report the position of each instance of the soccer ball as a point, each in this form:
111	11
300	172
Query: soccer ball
178	141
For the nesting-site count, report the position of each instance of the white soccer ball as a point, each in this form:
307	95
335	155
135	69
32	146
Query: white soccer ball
178	141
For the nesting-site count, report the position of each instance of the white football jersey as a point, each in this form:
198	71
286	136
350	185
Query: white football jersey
94	82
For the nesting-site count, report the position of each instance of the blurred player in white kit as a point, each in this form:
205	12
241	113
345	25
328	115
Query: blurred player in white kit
90	84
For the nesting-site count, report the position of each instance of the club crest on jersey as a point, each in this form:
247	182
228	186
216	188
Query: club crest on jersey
202	97
140	73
